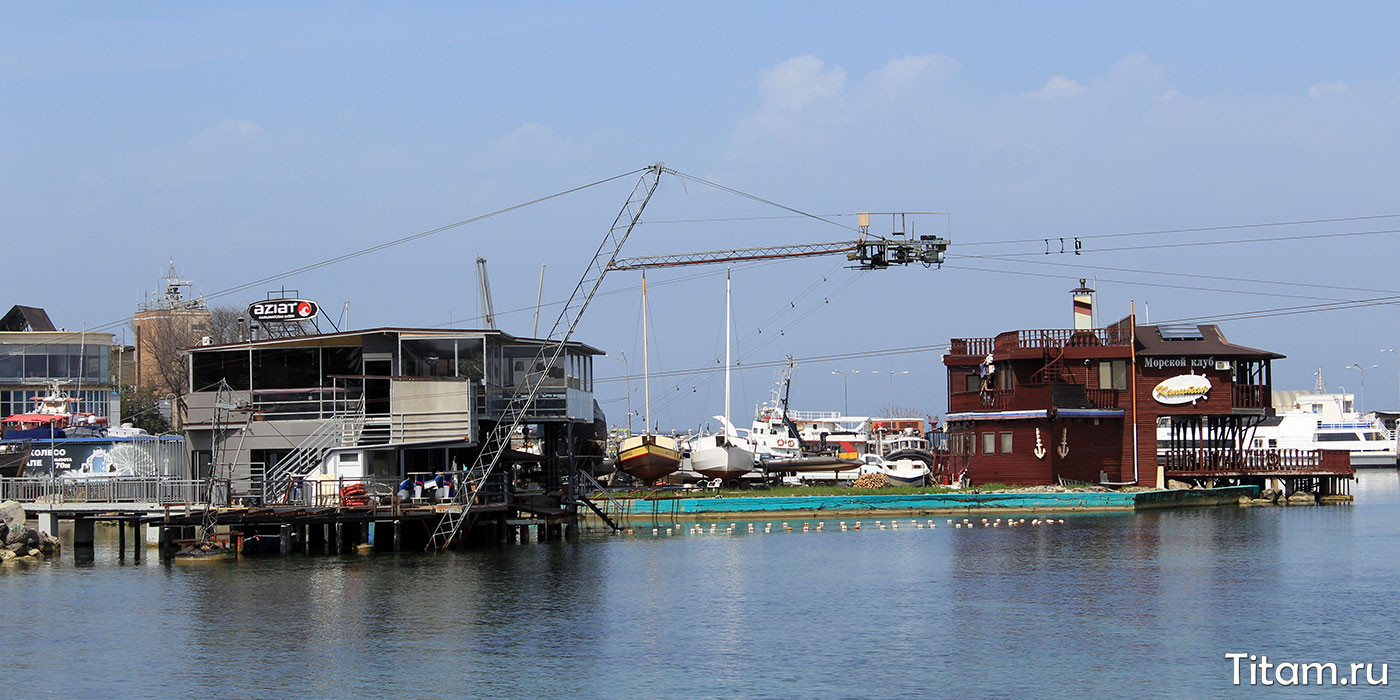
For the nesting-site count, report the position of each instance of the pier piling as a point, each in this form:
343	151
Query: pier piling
284	537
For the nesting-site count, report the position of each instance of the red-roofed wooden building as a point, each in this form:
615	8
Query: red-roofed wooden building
1085	404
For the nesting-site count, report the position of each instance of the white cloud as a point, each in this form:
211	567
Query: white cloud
903	73
1057	87
797	81
1326	89
1136	68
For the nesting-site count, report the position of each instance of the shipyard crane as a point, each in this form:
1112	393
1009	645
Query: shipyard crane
867	253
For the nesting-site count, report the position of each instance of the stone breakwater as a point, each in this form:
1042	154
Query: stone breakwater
21	542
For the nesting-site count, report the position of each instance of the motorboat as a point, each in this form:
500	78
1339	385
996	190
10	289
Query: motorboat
897	472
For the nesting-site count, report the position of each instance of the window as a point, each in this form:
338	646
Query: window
1113	374
989	443
971	383
1337	437
1006	443
1273	443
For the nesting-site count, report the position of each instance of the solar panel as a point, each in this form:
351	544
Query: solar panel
1180	332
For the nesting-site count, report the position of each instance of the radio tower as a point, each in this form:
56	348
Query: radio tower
1320	387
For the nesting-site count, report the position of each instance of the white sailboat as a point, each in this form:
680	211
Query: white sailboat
724	455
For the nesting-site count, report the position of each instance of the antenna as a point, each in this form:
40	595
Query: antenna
1321	386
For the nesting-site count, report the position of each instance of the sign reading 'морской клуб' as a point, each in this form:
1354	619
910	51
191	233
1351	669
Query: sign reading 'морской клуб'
282	310
1183	363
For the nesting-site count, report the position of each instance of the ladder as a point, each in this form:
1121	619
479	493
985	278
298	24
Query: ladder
495	443
613	512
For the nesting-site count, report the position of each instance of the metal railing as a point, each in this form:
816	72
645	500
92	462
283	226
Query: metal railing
332	492
113	489
1039	339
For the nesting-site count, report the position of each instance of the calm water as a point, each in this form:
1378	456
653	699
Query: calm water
1105	605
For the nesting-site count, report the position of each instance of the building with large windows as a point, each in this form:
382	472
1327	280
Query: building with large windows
34	355
383	403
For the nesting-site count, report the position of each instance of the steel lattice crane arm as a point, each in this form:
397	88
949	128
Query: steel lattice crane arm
496	442
865	254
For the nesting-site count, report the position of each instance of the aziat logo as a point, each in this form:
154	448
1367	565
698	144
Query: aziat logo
1183	388
282	310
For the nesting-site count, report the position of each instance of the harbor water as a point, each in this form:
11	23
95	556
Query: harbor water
1144	604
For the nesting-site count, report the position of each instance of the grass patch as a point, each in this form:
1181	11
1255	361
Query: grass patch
821	491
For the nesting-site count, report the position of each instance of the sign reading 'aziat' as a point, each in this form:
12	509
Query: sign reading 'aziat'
1183	388
282	310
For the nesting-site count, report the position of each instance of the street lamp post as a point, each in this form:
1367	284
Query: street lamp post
1397	373
627	382
1362	370
846	386
891	375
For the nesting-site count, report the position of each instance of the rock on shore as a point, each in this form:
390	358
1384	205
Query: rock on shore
20	542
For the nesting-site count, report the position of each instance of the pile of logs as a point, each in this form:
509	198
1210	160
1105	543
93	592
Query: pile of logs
870	481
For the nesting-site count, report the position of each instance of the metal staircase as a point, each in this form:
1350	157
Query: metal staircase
495	443
342	429
613	512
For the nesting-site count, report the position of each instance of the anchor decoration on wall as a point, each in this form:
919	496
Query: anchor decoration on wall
1064	444
1039	451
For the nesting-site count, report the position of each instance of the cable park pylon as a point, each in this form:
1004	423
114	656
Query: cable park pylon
865	253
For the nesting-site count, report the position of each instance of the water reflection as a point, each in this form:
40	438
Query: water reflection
1065	610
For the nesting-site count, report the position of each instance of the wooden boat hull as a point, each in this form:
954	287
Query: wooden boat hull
649	457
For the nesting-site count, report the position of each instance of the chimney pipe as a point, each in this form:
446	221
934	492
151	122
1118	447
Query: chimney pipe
1083	306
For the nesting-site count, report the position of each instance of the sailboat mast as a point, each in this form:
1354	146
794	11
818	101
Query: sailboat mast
726	351
646	356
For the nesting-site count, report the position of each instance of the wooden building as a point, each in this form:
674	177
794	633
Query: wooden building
1123	405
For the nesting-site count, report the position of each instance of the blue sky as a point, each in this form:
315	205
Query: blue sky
251	139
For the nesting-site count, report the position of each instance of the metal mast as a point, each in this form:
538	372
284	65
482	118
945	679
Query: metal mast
497	441
483	295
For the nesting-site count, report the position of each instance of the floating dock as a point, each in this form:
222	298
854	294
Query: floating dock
945	503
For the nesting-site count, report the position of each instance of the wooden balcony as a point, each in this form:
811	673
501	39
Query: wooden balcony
1250	396
1039	339
1034	397
1280	463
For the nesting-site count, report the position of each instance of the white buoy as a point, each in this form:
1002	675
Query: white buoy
894	525
857	524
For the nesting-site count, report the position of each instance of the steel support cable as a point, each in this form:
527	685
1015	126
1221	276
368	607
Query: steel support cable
1224	278
761	200
1198	229
1190	244
772	337
366	251
1194	288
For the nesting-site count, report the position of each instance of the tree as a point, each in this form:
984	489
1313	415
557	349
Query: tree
224	324
164	337
141	408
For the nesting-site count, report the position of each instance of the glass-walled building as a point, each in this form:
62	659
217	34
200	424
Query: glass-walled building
31	361
423	393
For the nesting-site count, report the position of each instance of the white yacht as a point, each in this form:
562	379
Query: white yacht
1316	421
1312	421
